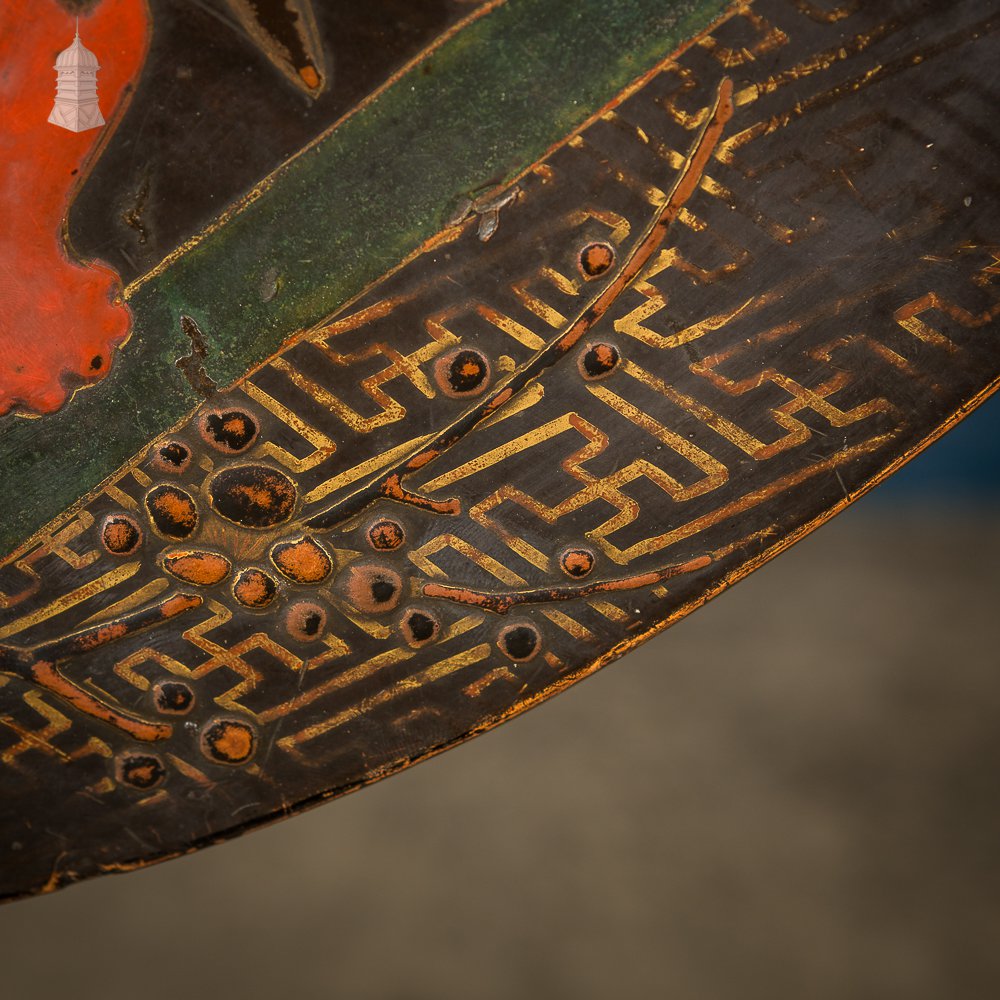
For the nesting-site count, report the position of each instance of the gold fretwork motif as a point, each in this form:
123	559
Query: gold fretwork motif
386	538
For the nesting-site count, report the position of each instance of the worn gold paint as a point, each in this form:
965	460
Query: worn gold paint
70	600
466	658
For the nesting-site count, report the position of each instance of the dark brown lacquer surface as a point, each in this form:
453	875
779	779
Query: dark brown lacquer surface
737	298
228	91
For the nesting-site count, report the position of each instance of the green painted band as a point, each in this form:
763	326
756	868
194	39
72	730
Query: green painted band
483	106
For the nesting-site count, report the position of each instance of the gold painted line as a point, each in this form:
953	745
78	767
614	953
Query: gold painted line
373	628
101	787
716	472
71	599
466	658
322	445
569	624
609	610
511	327
477	687
462	626
533	394
264	185
488	459
743	440
157	796
133	600
121	497
421	559
756	497
357	472
360	672
190	771
377	310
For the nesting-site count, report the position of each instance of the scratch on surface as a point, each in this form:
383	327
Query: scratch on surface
840	479
132	217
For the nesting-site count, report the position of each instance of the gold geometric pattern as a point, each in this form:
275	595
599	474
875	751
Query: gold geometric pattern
778	352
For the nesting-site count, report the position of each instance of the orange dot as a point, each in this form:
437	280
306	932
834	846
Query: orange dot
228	741
205	569
254	589
120	534
386	535
309	76
577	563
595	259
303	560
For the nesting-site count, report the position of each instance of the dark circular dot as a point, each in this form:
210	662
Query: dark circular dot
419	627
172	511
120	534
141	771
595	259
173	698
254	588
576	563
519	642
228	741
385	535
374	588
172	456
312	623
463	372
253	496
305	621
95	363
230	431
597	361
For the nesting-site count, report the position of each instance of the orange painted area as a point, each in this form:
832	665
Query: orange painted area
59	319
303	561
202	568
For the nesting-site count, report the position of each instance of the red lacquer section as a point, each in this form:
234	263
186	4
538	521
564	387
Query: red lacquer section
59	319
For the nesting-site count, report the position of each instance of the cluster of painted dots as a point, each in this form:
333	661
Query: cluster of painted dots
598	360
260	497
222	740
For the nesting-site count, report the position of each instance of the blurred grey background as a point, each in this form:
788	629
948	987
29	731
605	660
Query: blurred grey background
793	793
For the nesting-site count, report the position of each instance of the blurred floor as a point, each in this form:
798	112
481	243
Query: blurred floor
794	793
